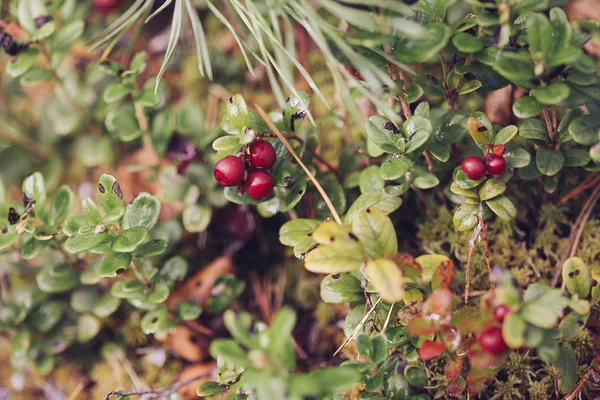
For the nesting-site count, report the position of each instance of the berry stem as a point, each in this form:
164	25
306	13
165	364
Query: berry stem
332	209
486	250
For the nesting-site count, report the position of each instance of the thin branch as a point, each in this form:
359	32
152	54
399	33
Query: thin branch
471	249
591	181
486	249
154	393
326	198
357	328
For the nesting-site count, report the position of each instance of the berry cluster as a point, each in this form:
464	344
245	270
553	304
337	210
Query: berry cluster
258	182
493	162
491	339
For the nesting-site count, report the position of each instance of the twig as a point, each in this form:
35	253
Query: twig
471	249
387	319
306	170
549	124
140	275
330	167
78	389
587	183
572	395
486	250
357	328
154	393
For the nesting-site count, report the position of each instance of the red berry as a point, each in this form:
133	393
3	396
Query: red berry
491	340
496	165
499	149
259	184
229	171
107	6
501	312
262	154
473	167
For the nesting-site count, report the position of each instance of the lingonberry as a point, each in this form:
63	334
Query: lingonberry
501	312
262	154
229	171
107	6
499	149
259	184
473	167
496	165
491	340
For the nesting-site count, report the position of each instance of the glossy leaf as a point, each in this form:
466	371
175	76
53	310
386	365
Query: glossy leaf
577	277
376	232
114	264
129	240
386	277
143	211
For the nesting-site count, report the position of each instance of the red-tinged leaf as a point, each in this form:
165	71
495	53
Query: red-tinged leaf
442	277
451	337
411	269
409	312
482	360
421	327
456	386
477	380
467	319
430	350
465	346
438	306
453	367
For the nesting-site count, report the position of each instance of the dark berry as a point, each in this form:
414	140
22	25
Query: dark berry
501	312
473	167
262	154
491	340
107	6
259	184
229	171
496	165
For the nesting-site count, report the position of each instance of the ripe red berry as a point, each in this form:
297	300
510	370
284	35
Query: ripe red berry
501	312
496	165
262	154
229	171
491	340
473	167
107	6
259	184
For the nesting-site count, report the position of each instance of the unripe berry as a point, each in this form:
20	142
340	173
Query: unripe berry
501	312
474	167
496	165
262	154
259	184
229	171
491	340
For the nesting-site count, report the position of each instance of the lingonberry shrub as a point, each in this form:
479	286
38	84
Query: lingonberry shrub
462	132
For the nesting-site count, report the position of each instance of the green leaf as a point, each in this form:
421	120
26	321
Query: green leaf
226	144
543	311
129	240
68	34
410	50
429	264
35	75
237	112
33	248
342	283
533	128
339	250
143	211
84	298
173	270
209	389
492	188
106	306
57	278
385	134
160	293
470	193
395	168
517	158
114	264
539	36
82	243
151	248
376	232
88	327
584	130
196	217
417	140
47	315
514	331
577	277
516	66
22	62
527	107
386	277
506	134
563	127
116	92
33	188
90	211
294	231
466	43
377	199
464	218
566	366
188	310
576	157
469	86
61	205
413	94
416	376
549	162
426	181
229	351
154	319
480	128
414	124
370	180
551	94
502	207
